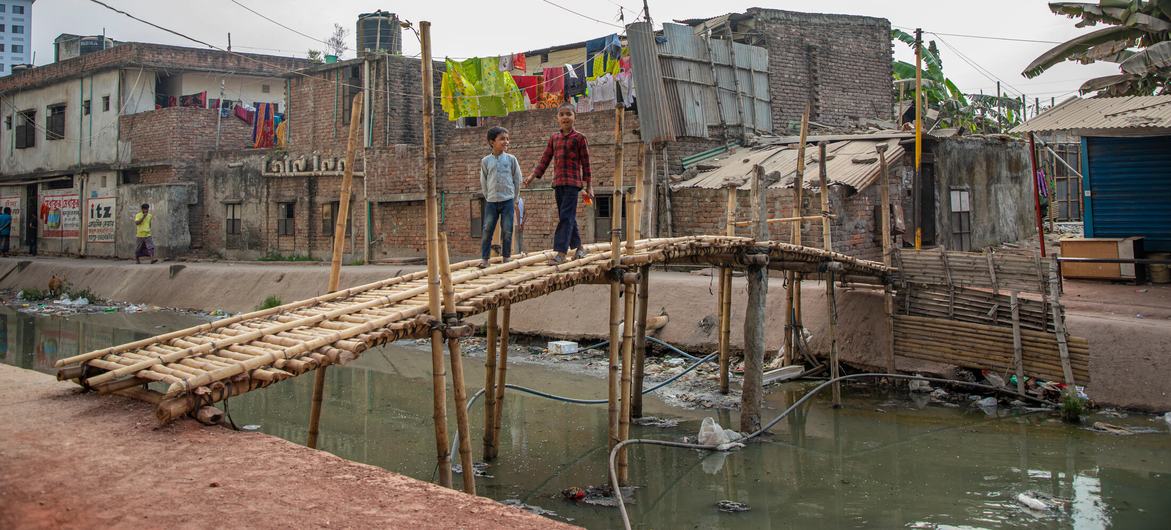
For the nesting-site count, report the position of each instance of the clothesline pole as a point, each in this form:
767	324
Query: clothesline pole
219	115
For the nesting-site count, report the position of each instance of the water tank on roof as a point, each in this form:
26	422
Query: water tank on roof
379	32
21	67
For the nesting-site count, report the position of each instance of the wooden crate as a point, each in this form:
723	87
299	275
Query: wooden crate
1100	247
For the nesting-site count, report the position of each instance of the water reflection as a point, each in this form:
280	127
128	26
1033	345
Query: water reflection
884	460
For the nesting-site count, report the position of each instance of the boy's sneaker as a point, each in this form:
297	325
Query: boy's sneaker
483	264
556	260
505	259
579	253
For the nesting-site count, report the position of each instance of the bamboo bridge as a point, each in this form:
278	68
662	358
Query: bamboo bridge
182	370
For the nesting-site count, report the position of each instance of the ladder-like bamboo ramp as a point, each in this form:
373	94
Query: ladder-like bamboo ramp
183	370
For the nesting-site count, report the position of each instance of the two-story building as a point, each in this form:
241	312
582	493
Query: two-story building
85	140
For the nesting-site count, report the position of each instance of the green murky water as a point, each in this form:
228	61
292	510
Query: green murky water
884	460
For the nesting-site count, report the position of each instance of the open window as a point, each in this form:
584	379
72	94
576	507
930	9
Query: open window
55	122
26	129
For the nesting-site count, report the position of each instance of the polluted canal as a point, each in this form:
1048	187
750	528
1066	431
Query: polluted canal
887	458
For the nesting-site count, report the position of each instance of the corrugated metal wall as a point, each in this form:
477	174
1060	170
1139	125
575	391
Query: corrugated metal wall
1129	180
655	114
691	86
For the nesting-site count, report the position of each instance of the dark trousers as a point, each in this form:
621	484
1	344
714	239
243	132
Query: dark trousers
493	212
4	243
566	236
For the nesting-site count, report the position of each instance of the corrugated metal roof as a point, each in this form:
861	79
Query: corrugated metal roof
655	119
1132	112
851	163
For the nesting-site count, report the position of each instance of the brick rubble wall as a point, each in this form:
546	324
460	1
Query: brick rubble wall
840	63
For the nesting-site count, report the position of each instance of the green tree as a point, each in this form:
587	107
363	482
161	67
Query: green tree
1138	39
315	56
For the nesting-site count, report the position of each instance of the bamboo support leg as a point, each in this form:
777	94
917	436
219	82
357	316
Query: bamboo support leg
1017	353
457	374
640	342
439	407
502	372
752	393
490	388
615	369
725	320
835	369
627	365
789	342
315	406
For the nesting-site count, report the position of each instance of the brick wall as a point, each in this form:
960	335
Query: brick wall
171	145
854	231
839	63
317	103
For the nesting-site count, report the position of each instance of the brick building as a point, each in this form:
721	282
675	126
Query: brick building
292	213
83	142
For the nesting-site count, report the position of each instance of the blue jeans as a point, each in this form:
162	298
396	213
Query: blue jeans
493	212
566	236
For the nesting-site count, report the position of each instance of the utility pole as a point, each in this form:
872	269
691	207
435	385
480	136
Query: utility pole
917	183
646	11
219	115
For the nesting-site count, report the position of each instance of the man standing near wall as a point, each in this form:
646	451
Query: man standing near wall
145	243
5	229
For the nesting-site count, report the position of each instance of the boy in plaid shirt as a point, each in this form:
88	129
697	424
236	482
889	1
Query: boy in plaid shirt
569	152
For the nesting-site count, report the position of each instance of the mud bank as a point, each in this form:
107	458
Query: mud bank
73	461
1127	326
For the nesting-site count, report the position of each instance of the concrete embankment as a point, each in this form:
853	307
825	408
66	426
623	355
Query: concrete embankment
1128	331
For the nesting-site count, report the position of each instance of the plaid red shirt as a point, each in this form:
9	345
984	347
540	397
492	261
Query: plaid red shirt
572	156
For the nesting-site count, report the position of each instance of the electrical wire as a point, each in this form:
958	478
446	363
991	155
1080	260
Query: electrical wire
980	69
261	15
987	37
559	6
796	404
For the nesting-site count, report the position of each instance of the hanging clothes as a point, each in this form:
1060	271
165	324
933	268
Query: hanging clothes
198	101
575	82
505	63
264	128
519	62
603	94
282	134
555	81
625	82
477	88
531	85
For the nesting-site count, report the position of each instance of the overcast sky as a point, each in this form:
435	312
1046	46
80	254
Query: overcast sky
464	28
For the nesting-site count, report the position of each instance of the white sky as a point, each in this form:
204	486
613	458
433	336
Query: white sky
463	28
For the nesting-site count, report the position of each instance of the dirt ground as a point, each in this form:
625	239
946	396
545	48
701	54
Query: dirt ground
81	461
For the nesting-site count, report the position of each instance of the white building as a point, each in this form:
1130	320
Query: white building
16	30
85	140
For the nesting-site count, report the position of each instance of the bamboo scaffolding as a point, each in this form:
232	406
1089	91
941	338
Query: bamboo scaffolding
490	388
613	381
502	367
640	332
1017	352
457	373
793	291
887	295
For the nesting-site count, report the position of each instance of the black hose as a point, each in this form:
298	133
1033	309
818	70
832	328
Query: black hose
806	397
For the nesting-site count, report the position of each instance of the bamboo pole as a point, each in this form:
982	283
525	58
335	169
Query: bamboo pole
759	205
457	373
335	269
1059	322
823	177
490	388
615	287
1017	352
438	375
627	365
916	200
640	341
795	277
752	391
835	369
887	294
502	373
724	305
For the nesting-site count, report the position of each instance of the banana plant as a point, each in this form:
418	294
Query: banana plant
1137	39
941	93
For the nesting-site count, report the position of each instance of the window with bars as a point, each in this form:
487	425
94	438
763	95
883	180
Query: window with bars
232	219
105	103
961	219
329	212
26	129
55	122
286	220
604	217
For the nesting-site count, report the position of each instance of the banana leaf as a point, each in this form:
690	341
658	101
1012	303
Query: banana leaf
1080	45
1156	57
